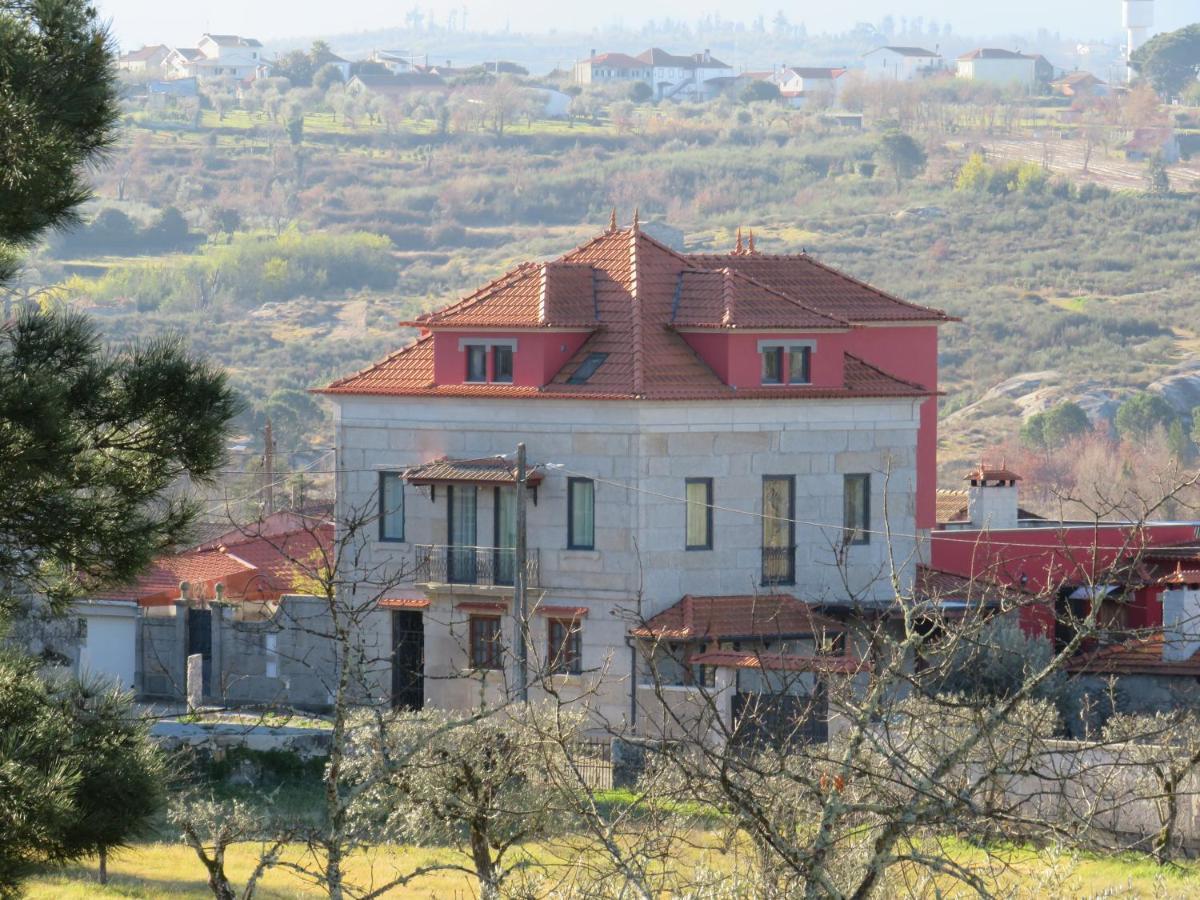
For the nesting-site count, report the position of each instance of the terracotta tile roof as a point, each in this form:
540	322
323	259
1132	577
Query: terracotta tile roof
624	285
778	662
533	294
1138	656
816	72
562	612
911	51
941	587
822	288
488	470
256	568
1181	576
656	56
993	53
617	61
951	506
725	298
987	471
148	51
723	618
405	600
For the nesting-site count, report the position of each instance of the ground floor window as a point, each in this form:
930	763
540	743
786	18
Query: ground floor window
565	652
485	642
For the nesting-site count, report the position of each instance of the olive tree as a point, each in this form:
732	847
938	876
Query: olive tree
482	786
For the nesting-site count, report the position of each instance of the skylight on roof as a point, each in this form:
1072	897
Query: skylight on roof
587	368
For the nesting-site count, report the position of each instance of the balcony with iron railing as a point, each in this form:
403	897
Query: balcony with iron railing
489	567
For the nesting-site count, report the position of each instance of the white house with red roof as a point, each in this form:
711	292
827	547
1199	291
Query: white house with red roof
718	426
993	65
241	601
219	56
671	76
804	85
901	63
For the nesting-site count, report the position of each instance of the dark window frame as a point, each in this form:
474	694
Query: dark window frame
383	533
775	350
564	649
856	534
572	543
485	648
471	350
589	367
805	367
708	513
790	576
496	351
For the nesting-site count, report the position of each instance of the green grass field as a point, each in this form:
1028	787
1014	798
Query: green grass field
171	870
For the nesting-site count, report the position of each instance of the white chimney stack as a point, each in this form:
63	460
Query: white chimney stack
992	497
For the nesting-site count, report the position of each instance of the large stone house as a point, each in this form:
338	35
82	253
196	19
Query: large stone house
713	432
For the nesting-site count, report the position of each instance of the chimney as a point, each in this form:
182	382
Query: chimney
707	55
592	53
992	496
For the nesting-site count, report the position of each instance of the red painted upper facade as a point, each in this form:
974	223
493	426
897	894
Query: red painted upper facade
624	317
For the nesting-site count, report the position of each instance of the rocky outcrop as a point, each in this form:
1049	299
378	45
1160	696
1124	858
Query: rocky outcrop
1180	388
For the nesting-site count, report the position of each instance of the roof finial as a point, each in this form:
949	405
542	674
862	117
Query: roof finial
738	248
612	220
751	247
635	218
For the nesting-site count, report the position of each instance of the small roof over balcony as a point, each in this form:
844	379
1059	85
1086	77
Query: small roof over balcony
726	618
489	470
778	662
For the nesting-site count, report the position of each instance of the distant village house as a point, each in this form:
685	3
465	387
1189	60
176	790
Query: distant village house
901	63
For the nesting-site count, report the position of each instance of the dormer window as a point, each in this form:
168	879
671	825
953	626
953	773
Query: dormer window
502	364
772	365
798	365
786	363
477	362
489	360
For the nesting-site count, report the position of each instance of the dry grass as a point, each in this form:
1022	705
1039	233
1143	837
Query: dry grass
170	870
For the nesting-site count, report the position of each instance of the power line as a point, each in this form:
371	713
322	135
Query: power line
942	535
948	536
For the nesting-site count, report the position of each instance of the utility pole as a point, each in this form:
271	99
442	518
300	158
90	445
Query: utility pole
519	581
269	466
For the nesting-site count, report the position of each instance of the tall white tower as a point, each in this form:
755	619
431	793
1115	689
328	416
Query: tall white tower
1137	18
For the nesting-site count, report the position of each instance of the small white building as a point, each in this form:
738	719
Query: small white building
901	63
1004	68
806	85
399	62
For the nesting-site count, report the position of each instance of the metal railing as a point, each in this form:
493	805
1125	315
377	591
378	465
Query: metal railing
778	565
482	566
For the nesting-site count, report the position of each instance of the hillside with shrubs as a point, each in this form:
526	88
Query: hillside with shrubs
286	232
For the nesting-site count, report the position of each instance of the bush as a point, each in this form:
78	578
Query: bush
996	665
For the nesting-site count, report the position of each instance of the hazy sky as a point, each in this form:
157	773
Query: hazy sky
175	22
